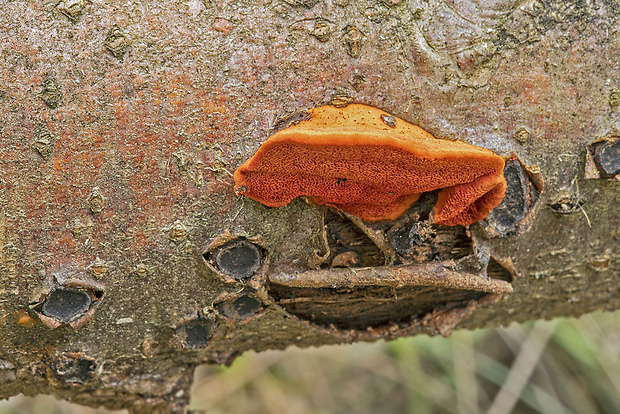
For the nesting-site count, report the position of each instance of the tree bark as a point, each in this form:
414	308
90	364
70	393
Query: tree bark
126	259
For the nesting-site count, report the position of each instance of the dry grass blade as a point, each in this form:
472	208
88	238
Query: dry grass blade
522	368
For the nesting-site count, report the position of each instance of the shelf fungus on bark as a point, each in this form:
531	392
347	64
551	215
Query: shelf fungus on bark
352	159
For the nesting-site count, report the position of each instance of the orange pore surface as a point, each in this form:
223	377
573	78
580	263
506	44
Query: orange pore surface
351	159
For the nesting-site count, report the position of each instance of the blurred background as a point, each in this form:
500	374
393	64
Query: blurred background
560	366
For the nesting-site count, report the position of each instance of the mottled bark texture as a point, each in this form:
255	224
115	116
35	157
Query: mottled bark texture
126	259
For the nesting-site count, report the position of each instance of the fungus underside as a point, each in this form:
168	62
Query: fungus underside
351	159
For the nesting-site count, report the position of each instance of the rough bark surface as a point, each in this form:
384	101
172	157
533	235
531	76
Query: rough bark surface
122	122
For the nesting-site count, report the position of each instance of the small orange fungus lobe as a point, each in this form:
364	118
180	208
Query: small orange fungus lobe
23	318
352	159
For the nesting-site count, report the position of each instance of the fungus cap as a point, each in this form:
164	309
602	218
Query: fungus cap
371	164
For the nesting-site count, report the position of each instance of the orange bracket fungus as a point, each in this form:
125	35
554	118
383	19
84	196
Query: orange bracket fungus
373	165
